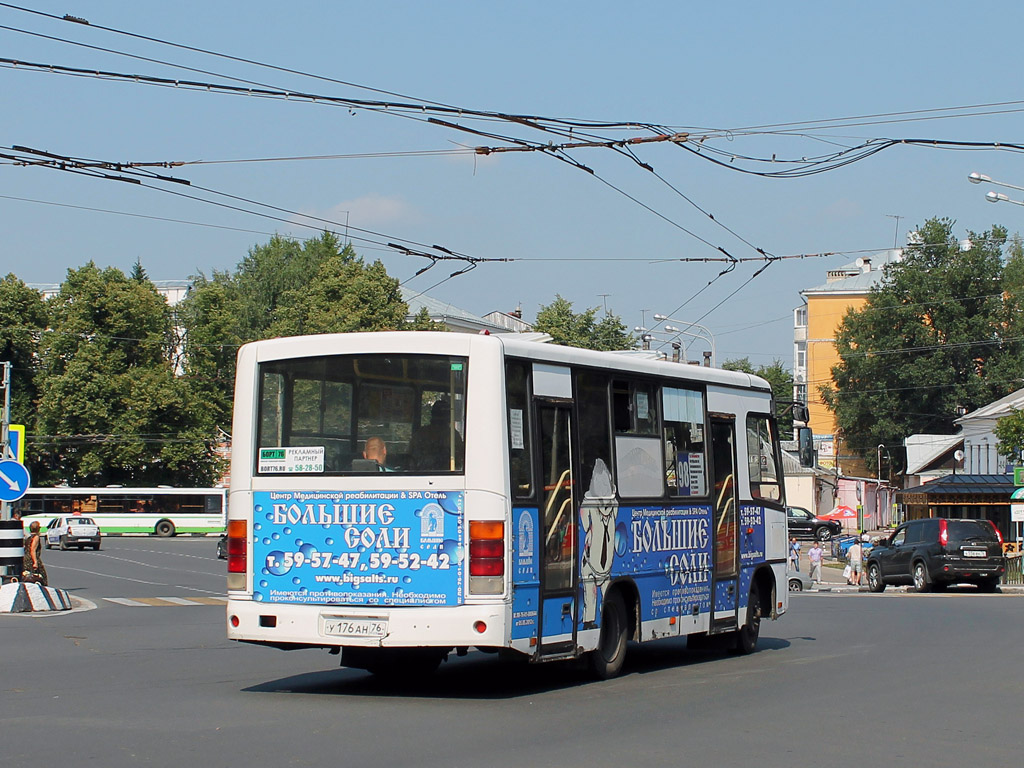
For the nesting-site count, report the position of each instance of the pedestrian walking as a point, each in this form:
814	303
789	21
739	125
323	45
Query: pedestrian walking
794	554
814	557
855	557
32	568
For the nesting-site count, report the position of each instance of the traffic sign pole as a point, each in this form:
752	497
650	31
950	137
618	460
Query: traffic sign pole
5	447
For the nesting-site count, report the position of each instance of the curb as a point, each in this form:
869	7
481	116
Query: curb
30	598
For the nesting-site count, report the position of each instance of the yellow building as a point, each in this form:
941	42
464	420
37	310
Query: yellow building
814	350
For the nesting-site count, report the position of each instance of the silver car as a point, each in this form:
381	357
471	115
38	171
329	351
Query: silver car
72	531
798	582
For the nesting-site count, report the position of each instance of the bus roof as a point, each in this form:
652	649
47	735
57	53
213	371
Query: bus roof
529	346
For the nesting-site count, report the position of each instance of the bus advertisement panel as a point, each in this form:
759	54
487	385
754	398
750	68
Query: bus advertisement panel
359	548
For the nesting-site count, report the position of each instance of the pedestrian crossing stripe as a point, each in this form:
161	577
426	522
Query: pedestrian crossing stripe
165	602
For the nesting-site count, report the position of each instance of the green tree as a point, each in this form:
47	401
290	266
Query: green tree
1010	431
22	320
781	380
934	336
111	409
344	295
283	288
582	329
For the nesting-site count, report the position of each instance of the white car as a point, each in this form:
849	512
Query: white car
72	531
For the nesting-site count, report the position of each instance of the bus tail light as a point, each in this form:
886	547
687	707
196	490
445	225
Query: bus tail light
486	557
238	553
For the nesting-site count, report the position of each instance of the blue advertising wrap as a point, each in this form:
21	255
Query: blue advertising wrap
367	548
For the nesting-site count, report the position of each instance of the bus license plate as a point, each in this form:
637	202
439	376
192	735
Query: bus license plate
343	626
974	553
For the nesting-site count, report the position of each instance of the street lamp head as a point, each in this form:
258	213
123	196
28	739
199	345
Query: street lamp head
660	317
671	328
995	197
977	178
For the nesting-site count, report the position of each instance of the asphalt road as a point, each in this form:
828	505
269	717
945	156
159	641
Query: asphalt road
887	680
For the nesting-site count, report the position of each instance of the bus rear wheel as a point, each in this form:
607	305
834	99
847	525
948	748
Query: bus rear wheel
607	659
746	636
164	528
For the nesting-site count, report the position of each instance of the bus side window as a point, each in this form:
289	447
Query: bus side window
685	450
517	395
594	435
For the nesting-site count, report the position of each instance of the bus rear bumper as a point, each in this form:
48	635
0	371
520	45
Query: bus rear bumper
289	625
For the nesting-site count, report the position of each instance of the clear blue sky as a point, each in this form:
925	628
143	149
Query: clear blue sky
708	68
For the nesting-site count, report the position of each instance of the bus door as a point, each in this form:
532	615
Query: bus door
725	589
558	537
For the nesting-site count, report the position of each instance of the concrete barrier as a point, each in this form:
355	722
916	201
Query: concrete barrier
18	597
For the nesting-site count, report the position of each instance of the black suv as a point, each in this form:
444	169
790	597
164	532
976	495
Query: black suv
803	524
937	552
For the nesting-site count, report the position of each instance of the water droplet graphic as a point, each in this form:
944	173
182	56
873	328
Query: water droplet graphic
306	549
407	579
258	508
287	531
621	537
257	526
264	583
276	565
296	580
275	536
329	541
453	549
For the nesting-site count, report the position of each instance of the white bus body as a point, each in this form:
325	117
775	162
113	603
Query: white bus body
162	511
582	499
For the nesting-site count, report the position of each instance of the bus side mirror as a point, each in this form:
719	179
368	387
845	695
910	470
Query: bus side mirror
805	446
801	413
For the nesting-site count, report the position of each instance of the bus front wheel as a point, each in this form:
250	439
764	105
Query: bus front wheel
607	659
164	528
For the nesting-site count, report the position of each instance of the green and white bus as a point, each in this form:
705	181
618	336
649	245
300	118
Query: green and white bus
162	511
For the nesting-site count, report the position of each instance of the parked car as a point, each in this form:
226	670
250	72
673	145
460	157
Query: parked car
222	546
937	552
72	531
798	582
804	525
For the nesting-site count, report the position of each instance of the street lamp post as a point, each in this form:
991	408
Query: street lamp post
992	196
706	336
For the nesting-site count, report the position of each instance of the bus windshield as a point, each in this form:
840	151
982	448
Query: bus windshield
358	414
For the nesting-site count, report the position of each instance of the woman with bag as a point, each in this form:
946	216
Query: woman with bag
32	568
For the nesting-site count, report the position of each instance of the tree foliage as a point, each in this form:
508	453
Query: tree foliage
22	320
111	409
1010	431
582	329
937	334
284	288
781	380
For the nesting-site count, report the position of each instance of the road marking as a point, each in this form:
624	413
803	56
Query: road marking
165	602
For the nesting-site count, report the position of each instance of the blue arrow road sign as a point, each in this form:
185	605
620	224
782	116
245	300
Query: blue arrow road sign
14	480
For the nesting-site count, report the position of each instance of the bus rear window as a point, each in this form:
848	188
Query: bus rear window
361	414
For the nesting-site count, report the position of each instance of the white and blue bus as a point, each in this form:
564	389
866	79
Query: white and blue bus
534	499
